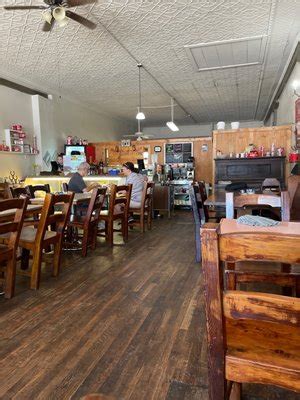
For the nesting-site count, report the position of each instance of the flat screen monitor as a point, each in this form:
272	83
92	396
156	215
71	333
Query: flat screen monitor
71	163
74	150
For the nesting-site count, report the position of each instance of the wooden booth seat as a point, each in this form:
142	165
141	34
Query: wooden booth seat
253	337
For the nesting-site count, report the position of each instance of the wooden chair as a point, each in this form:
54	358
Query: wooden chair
65	187
252	337
293	186
4	191
146	208
89	222
118	210
36	239
38	188
209	214
8	248
258	200
198	214
19	192
284	278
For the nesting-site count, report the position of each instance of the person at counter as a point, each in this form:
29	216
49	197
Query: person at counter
77	184
58	165
137	180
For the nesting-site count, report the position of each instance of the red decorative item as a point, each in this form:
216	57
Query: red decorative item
90	152
294	157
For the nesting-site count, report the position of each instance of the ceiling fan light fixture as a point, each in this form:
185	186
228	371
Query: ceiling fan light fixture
140	115
59	13
47	16
63	22
171	125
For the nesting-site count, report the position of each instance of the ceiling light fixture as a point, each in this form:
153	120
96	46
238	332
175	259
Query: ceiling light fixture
171	124
140	115
47	16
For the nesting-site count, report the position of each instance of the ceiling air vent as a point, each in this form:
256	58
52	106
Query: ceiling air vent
227	53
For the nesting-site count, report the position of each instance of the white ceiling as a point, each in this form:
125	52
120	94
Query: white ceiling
93	68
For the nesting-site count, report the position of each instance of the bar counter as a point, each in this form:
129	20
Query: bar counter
56	181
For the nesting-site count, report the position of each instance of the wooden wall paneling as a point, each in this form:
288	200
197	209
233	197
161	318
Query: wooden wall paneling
203	160
235	141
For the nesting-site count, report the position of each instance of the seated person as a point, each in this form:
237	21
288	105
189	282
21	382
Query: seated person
77	184
137	180
57	166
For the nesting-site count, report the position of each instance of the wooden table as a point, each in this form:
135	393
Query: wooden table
286	228
32	209
78	198
217	198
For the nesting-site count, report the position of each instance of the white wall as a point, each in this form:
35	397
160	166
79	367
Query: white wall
193	130
15	108
51	121
57	118
286	109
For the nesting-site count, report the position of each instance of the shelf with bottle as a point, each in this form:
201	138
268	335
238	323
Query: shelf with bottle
14	142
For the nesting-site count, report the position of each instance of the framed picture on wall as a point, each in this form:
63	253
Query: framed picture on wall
157	149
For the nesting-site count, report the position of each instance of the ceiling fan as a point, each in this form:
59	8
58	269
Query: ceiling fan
139	134
57	11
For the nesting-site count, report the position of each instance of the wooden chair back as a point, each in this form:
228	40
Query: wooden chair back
65	187
35	188
50	218
19	192
8	251
14	227
198	214
119	195
147	196
224	309
239	201
203	197
95	206
293	186
4	191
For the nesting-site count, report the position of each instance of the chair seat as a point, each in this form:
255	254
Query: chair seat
28	234
261	351
105	213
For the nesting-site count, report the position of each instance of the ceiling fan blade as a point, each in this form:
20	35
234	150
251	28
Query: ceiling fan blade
24	7
75	3
47	27
78	18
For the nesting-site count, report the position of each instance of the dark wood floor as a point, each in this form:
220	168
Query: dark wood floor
127	323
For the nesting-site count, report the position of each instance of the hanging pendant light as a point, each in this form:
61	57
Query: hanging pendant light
140	115
171	124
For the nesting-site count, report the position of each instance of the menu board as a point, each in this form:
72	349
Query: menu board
176	153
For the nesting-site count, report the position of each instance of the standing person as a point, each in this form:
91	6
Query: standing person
77	184
137	181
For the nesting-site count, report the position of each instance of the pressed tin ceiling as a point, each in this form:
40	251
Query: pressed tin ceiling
93	68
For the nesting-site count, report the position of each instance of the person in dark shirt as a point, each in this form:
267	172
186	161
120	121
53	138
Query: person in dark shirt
77	184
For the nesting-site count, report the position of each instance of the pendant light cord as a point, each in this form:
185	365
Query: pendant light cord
140	88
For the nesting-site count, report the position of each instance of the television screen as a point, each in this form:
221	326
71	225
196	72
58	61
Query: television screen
74	150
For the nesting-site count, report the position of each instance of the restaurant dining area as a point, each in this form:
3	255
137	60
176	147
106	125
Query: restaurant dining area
149	200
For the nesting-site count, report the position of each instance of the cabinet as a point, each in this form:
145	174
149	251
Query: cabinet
163	198
250	170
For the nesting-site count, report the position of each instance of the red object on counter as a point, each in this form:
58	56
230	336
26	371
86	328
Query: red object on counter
90	152
294	157
253	154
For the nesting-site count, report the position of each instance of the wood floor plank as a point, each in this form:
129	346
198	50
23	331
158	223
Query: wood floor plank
123	323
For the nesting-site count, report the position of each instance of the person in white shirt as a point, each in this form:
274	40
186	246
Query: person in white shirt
137	180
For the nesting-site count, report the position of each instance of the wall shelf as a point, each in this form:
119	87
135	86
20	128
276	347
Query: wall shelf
18	153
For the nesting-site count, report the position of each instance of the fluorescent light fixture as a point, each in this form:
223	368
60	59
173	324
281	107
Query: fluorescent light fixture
171	125
140	115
